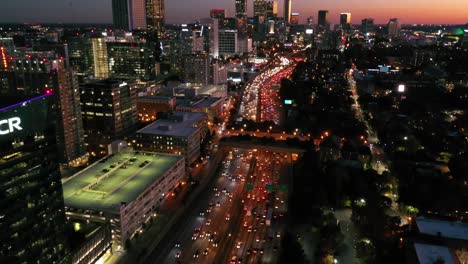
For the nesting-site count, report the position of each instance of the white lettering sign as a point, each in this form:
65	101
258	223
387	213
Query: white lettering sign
10	125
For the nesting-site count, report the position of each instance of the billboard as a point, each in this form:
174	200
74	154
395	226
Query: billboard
288	102
29	118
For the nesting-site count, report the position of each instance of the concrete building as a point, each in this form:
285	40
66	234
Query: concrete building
294	20
179	133
112	102
197	68
241	9
367	25
212	106
148	107
218	13
124	190
393	27
228	45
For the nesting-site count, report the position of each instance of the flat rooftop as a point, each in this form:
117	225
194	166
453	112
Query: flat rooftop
181	124
198	102
115	179
427	253
456	230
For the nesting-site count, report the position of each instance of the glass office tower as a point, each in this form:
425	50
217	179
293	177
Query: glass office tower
32	218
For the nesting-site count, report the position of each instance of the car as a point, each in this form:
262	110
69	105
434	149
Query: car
202	213
177	244
178	254
196	254
205	252
218	204
239	244
228	217
208	222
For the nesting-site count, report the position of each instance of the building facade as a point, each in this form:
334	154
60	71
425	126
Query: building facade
32	218
180	133
109	110
241	8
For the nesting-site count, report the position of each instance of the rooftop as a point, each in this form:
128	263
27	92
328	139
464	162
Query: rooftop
115	179
181	124
430	253
198	102
456	230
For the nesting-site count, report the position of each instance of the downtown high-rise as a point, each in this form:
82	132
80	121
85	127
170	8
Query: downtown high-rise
138	14
32	217
241	9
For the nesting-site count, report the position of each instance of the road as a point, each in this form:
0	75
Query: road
260	101
240	217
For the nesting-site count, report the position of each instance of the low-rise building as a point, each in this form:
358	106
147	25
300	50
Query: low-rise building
213	106
124	190
178	133
148	107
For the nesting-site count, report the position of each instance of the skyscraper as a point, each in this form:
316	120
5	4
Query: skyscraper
32	217
322	18
259	7
272	9
294	19
120	14
155	14
138	14
101	64
36	72
111	102
345	20
367	25
218	13
393	27
241	9
287	11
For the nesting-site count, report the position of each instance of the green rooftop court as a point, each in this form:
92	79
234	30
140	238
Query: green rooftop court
115	179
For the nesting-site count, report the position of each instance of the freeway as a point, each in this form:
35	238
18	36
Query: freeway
260	101
239	219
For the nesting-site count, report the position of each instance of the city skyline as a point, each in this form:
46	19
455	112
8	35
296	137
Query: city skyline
100	11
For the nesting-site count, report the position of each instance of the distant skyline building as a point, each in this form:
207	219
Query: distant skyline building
101	63
393	27
272	9
241	8
367	25
287	11
228	42
294	19
345	20
132	15
218	13
259	8
155	15
322	18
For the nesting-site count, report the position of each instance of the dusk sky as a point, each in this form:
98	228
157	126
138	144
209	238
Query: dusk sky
183	11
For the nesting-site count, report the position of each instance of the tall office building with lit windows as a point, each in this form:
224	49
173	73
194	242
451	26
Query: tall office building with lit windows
155	15
138	14
32	217
241	9
33	72
111	102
